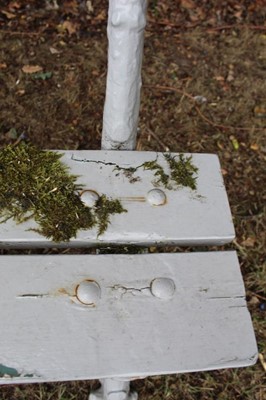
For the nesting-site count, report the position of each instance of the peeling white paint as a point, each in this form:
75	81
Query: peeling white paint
11	371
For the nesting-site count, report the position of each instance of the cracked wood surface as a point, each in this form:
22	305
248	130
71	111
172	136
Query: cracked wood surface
188	217
48	335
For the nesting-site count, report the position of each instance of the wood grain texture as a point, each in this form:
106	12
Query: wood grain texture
47	335
188	218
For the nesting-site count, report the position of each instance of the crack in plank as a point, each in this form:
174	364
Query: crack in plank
130	290
33	295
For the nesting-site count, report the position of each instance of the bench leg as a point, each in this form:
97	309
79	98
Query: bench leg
113	389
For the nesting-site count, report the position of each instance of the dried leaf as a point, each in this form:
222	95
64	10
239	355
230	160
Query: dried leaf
224	171
89	6
3	66
249	242
254	301
188	4
71	7
212	22
260	111
31	69
14	5
194	17
101	16
219	78
21	92
69	26
254	146
51	5
8	14
238	15
54	50
230	76
235	142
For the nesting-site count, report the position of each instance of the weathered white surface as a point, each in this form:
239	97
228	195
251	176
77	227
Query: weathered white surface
187	218
48	335
126	23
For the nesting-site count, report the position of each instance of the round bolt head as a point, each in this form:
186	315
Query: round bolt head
89	197
163	288
88	292
156	197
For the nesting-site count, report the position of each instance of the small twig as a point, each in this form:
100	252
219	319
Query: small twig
164	22
11	33
214	124
224	27
158	140
167	23
262	361
169	89
172	89
239	128
23	136
257	295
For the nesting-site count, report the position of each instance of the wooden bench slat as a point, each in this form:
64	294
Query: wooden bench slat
48	335
200	217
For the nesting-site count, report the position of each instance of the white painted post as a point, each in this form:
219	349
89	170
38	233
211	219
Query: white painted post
126	23
114	389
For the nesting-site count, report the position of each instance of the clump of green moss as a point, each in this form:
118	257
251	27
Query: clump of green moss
159	172
105	207
36	184
182	172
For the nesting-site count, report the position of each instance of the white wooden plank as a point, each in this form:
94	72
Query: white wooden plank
188	217
47	335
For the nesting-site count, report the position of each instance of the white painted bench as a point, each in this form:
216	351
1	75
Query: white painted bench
69	317
119	317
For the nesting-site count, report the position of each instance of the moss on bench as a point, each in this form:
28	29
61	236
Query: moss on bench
36	184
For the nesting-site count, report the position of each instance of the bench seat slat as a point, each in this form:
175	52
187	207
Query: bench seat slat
200	217
48	335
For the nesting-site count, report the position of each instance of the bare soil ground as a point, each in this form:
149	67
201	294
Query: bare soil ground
204	90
